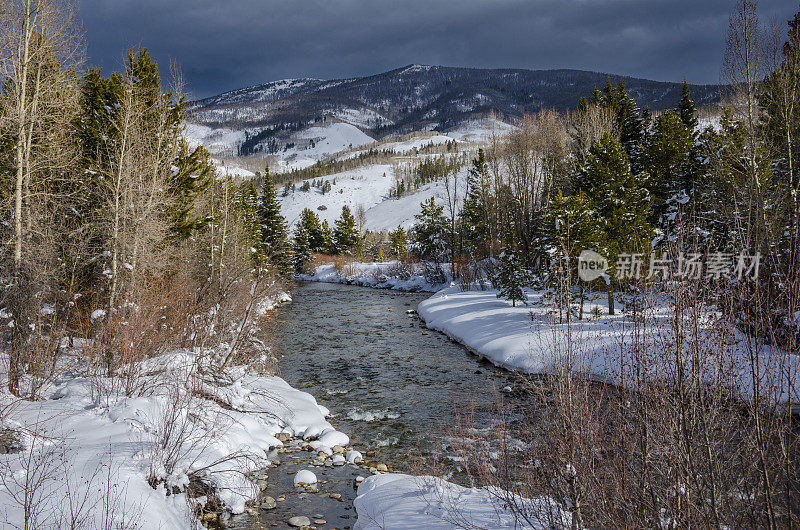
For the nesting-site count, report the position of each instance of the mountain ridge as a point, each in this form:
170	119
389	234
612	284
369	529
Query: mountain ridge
418	97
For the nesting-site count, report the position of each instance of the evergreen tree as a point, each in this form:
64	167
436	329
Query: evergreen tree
628	118
686	108
310	221
301	248
345	234
430	234
328	243
671	167
273	236
621	201
474	218
399	242
574	225
510	276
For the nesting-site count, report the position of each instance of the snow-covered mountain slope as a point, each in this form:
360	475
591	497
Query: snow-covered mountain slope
315	143
418	97
366	187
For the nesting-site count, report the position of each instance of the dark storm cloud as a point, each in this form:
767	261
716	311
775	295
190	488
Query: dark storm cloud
227	44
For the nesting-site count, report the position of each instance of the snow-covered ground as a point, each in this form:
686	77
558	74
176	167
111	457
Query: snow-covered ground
218	142
367	186
533	339
315	143
480	131
388	275
95	456
406	502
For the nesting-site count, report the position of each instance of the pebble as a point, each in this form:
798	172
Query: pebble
320	521
338	460
382	467
268	503
299	520
337	496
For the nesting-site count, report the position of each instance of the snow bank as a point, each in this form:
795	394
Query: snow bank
405	502
90	441
531	339
389	275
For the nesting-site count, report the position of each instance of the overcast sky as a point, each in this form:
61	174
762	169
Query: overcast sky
227	44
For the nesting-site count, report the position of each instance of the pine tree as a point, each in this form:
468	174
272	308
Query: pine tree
430	234
328	243
273	235
574	225
301	248
621	201
345	234
628	120
474	218
510	276
310	221
671	167
399	242
686	108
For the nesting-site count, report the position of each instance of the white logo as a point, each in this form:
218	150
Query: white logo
591	265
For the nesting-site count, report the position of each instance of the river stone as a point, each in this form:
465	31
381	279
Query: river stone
338	449
305	477
283	436
354	457
338	460
262	484
299	520
382	467
268	503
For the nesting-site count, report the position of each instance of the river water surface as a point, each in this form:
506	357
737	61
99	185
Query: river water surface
390	383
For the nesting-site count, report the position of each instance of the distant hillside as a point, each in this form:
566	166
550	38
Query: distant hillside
416	98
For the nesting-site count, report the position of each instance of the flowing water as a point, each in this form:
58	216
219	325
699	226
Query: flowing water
390	383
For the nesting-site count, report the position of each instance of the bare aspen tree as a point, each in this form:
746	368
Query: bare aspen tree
743	69
39	50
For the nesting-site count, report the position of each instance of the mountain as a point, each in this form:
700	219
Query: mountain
414	98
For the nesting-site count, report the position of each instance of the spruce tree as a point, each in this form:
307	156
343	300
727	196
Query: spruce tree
686	108
328	243
310	221
621	200
345	234
399	242
301	248
671	167
273	235
510	276
474	218
430	234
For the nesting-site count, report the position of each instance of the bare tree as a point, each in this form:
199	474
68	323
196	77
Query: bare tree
39	51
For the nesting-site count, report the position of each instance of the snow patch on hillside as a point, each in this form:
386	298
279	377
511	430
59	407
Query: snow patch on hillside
315	143
366	186
219	142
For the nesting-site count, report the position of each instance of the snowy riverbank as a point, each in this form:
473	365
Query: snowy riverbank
533	339
389	275
94	453
407	502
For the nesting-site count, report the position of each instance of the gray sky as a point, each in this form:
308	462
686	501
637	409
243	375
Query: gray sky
226	44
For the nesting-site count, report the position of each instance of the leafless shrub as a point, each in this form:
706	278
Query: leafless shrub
690	436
